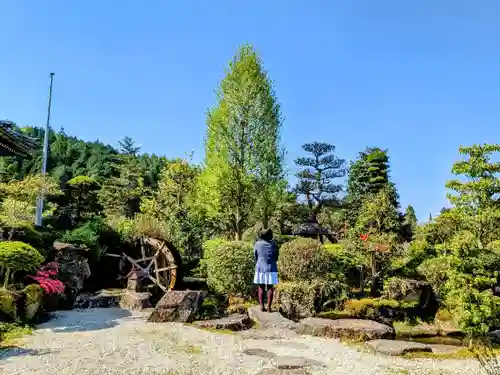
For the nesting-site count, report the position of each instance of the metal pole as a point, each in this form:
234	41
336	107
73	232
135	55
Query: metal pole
39	203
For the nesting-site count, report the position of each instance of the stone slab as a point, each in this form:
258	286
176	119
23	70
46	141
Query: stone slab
396	348
267	334
292	363
259	353
177	306
266	320
352	329
237	322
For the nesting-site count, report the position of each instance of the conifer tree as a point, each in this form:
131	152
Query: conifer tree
243	166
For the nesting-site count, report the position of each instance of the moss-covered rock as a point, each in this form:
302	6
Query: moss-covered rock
33	300
418	294
8	305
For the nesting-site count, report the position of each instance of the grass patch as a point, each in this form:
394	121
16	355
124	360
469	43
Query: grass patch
464	353
11	332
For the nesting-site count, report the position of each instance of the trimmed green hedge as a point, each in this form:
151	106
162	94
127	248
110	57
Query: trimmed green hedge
230	268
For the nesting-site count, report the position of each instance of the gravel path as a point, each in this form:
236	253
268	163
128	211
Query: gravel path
114	341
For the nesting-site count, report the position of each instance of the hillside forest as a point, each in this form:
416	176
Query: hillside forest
373	253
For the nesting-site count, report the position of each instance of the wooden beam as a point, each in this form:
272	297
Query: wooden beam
167	268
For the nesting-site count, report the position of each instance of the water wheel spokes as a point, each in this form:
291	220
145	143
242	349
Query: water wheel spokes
164	262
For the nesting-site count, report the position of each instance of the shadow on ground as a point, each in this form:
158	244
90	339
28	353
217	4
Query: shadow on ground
86	320
16	351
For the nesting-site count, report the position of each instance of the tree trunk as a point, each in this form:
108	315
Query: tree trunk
375	277
6	278
238	231
265	220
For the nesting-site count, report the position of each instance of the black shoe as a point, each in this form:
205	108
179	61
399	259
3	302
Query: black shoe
262	308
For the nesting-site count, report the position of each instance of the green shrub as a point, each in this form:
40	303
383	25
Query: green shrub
86	235
303	259
12	331
230	268
477	312
494	246
437	271
18	256
207	248
416	252
301	299
464	244
281	239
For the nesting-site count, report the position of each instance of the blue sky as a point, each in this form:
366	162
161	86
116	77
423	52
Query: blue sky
416	77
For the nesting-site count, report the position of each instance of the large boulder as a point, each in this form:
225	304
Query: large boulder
419	295
351	329
267	320
237	322
20	304
9	302
131	300
32	301
177	306
293	308
73	270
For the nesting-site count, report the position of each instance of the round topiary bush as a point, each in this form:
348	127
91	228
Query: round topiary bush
18	256
230	268
303	259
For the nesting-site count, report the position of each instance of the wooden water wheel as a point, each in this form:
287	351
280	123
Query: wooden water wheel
156	260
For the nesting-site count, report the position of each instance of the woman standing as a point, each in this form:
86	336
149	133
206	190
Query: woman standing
266	267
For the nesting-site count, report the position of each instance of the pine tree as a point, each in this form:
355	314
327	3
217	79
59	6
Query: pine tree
243	163
409	223
317	175
128	147
368	175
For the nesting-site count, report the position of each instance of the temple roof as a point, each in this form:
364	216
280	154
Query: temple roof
13	143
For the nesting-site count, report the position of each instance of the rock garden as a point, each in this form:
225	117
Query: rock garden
145	264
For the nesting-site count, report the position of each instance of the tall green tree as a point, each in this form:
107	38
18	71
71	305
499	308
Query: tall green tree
477	197
375	224
128	146
316	175
121	195
171	204
368	175
243	166
409	223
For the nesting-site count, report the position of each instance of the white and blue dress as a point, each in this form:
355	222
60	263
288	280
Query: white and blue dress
266	262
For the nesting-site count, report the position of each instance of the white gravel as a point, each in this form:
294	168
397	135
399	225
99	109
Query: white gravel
114	341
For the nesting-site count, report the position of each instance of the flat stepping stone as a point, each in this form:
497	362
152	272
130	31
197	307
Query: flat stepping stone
395	348
259	353
444	349
352	329
266	320
237	322
291	363
267	334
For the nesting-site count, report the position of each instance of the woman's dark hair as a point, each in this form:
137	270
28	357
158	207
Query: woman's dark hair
266	234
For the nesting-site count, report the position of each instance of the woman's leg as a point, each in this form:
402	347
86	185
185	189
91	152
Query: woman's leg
261	296
270	294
